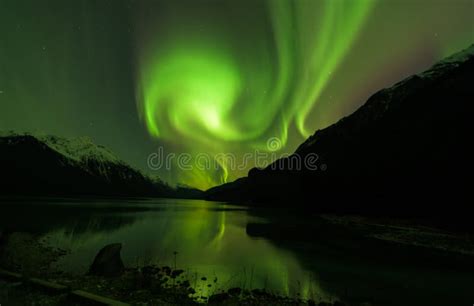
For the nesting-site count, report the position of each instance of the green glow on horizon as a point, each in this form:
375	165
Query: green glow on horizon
198	89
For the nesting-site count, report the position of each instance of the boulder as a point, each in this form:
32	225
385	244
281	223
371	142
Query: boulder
108	262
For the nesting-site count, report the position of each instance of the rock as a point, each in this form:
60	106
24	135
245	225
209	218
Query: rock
176	273
234	291
218	298
258	292
108	262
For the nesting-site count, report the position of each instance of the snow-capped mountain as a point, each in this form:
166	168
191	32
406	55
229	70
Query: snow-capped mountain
94	158
54	165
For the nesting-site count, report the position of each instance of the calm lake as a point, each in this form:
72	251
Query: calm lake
231	247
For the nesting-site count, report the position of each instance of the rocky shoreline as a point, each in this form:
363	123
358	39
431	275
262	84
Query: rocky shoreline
108	278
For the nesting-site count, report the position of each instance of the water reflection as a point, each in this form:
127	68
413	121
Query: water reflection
210	240
217	240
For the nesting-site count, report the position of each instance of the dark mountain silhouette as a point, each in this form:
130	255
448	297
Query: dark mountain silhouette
53	166
404	151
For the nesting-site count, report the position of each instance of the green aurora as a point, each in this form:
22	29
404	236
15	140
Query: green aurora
200	87
210	76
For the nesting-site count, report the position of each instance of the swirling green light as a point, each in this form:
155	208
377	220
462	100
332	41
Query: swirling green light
220	87
191	93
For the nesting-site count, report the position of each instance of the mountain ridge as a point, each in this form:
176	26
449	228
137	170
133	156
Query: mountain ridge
406	140
56	166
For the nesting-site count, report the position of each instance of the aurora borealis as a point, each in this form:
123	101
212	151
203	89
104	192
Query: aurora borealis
210	76
202	86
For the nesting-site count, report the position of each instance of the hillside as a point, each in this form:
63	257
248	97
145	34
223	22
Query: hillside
404	151
50	165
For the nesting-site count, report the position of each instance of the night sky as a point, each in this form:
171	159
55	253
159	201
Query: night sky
204	76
